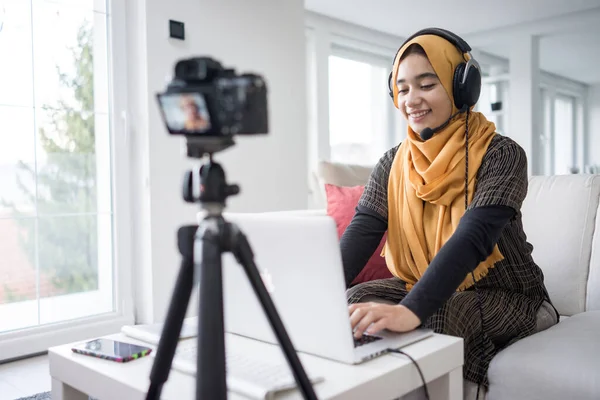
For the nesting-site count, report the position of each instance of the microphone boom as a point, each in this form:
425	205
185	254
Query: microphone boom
427	133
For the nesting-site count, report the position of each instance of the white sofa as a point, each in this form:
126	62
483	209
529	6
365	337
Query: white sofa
561	218
560	221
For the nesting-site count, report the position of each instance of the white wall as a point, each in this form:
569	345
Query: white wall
262	36
593	144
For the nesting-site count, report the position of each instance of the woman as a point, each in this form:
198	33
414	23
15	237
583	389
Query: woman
435	249
193	119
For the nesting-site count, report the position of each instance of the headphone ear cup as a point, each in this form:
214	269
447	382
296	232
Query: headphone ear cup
472	88
466	94
457	88
390	85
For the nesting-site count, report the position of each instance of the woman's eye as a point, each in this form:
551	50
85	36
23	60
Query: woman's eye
403	91
426	87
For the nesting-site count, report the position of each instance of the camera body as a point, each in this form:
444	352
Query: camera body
205	100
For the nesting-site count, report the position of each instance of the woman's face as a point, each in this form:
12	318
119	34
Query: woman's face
191	110
421	97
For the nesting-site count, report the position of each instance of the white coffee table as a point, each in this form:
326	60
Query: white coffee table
440	357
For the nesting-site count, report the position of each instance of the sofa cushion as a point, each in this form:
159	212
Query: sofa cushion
593	286
337	174
344	174
559	215
562	362
341	205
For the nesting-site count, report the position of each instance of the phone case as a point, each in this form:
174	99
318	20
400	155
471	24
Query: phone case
134	356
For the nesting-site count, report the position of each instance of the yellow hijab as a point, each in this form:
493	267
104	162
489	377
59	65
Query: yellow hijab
427	179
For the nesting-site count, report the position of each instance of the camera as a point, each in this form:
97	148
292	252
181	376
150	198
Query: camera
207	102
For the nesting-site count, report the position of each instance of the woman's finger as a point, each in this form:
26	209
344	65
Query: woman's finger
357	315
368	318
355	306
377	326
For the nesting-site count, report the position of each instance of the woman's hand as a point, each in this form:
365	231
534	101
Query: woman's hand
395	318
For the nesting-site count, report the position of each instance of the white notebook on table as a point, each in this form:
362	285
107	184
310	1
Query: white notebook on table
252	377
150	333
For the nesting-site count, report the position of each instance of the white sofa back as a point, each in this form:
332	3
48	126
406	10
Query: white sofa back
559	219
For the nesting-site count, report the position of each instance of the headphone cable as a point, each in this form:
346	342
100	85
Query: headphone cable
418	369
472	273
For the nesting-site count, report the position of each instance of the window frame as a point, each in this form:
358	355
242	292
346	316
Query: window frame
37	339
555	86
326	37
393	135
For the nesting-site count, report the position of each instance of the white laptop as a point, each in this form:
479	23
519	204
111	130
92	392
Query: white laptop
300	262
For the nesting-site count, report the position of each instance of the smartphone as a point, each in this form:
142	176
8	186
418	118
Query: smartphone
113	350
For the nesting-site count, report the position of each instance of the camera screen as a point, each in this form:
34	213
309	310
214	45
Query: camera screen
185	112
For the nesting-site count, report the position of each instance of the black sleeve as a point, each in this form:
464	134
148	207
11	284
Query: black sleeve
369	224
360	240
473	241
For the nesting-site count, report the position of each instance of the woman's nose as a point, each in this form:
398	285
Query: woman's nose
413	99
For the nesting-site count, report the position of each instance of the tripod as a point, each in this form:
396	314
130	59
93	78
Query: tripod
201	248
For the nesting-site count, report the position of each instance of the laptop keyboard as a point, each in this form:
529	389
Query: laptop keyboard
365	339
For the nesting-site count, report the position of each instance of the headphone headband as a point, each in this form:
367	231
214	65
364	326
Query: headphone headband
449	36
467	77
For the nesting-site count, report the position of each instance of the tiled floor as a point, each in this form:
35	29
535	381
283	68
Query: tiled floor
24	378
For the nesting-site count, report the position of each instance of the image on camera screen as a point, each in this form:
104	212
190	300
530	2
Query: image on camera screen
185	112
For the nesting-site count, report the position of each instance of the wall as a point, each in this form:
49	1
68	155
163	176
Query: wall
262	36
593	145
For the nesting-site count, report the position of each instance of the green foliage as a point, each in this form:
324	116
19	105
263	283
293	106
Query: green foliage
11	296
66	184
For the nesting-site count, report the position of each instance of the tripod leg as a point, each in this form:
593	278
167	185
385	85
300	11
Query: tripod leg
211	375
176	314
244	255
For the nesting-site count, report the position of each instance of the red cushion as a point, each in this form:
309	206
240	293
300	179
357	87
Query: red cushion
341	205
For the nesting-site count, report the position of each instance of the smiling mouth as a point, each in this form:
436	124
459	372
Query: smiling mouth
419	114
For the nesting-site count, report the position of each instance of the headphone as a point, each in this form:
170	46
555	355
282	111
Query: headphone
466	85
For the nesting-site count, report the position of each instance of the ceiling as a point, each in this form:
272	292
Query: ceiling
574	53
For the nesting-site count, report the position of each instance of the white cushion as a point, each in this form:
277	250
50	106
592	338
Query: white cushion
593	289
344	174
559	219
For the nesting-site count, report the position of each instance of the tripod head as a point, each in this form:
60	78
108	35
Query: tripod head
207	184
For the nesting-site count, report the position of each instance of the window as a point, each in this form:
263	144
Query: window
351	116
559	141
358	113
564	134
362	119
56	157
